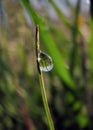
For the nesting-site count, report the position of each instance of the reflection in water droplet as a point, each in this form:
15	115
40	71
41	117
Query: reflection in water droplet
87	1
45	62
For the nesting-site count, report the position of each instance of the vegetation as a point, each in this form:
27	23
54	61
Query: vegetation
65	98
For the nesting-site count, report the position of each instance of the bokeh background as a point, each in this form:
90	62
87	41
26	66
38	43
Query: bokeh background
66	34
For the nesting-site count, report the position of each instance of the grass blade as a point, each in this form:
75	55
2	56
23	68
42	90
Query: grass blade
47	39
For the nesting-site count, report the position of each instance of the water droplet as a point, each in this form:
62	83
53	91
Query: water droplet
45	62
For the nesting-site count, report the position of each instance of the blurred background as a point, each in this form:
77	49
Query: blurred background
66	34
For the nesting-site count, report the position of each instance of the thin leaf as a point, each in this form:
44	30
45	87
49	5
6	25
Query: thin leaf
59	64
90	47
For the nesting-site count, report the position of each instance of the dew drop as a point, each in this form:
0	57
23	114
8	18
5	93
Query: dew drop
45	62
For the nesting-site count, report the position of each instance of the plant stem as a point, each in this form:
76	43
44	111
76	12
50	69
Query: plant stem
44	96
74	39
43	92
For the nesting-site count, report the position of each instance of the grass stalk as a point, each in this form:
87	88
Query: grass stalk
75	30
43	92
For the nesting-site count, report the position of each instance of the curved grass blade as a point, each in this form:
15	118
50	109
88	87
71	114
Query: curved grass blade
59	64
90	47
